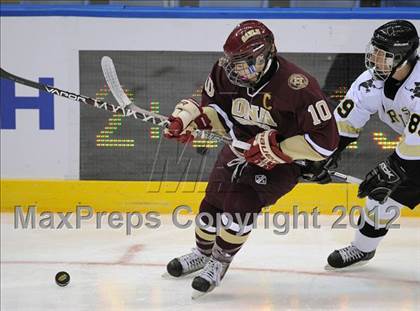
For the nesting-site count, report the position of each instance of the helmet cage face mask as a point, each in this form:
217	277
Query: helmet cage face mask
246	69
379	62
393	45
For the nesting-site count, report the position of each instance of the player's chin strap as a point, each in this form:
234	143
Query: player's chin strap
262	73
267	67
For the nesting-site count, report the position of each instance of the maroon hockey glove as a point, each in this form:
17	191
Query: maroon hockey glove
187	116
265	151
175	130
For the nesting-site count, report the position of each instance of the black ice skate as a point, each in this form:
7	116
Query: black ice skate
187	264
348	256
209	277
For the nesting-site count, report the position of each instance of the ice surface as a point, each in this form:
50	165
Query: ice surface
112	271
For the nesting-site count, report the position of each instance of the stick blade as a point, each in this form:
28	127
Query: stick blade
114	85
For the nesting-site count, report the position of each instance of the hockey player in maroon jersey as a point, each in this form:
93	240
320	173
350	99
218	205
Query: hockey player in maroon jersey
262	100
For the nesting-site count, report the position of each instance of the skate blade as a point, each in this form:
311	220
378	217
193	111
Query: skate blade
349	268
167	276
197	294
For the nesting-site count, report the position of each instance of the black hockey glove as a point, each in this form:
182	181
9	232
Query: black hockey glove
380	182
317	171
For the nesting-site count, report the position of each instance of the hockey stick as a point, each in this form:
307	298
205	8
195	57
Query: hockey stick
122	109
343	177
145	116
122	99
114	85
127	109
136	113
346	178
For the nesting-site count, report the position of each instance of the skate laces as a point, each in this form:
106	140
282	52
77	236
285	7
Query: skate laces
213	271
193	261
351	253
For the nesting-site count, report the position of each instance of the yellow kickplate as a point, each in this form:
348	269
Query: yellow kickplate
161	197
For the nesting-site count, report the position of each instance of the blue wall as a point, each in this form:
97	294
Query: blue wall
233	13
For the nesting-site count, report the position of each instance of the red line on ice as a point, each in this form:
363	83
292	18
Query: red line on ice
130	253
271	270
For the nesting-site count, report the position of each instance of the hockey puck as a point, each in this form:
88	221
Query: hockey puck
62	278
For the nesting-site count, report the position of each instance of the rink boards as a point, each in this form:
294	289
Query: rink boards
161	197
57	154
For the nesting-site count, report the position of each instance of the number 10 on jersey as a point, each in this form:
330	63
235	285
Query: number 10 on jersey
319	112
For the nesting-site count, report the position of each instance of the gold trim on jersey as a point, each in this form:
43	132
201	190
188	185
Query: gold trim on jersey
298	148
214	120
346	128
408	150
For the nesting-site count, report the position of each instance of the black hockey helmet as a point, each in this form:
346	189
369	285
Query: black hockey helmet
392	45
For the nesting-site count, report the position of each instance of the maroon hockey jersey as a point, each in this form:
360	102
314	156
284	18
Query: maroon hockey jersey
290	102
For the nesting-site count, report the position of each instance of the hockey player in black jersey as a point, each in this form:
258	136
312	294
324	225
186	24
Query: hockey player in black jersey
388	87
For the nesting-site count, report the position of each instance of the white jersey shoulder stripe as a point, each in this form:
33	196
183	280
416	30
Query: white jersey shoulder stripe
236	143
318	148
